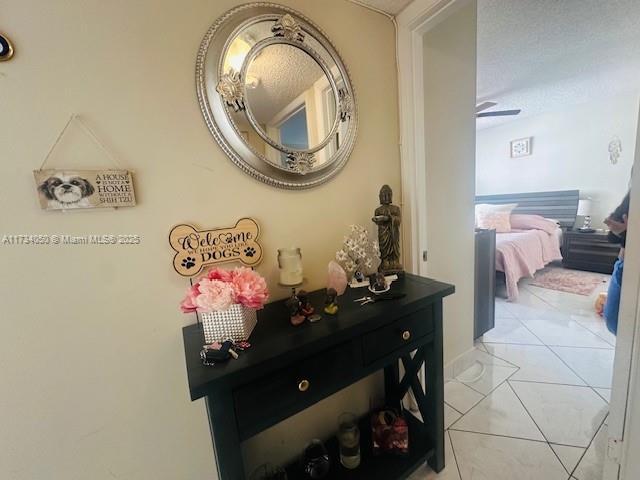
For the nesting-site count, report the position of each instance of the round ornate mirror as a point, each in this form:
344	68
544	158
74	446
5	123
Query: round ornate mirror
276	96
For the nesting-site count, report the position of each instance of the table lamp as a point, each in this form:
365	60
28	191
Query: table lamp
584	210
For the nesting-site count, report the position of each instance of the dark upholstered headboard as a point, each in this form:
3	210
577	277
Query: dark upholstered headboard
561	205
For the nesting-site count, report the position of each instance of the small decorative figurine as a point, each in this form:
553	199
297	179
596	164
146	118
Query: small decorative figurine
306	308
331	302
378	283
388	217
358	276
293	304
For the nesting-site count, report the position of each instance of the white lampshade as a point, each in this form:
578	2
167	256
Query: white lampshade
584	207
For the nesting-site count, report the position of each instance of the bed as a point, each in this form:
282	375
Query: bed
521	253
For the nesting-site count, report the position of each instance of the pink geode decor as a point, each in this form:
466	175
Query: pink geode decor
219	289
337	277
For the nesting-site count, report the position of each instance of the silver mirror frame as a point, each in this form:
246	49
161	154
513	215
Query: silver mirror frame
217	108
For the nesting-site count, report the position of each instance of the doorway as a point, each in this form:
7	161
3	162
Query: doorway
436	192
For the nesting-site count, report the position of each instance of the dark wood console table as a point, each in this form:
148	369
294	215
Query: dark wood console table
291	368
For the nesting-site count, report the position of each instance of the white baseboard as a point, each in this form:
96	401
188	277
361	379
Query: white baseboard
459	364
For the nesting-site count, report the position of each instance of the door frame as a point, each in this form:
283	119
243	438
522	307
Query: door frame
412	23
625	393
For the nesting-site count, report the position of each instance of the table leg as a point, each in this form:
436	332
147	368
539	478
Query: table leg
391	380
224	433
435	391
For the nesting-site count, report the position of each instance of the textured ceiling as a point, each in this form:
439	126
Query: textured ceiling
284	72
392	7
541	55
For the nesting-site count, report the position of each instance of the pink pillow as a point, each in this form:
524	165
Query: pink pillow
533	222
498	221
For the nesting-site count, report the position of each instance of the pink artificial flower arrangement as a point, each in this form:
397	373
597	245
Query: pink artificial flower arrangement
219	289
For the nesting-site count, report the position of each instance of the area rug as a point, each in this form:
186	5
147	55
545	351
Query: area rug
570	281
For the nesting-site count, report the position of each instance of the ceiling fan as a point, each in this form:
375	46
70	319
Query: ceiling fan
498	113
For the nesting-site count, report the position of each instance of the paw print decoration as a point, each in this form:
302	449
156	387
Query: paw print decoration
188	263
196	249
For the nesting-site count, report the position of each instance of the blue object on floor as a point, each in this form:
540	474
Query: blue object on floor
612	307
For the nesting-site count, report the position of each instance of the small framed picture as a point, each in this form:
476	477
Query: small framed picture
6	49
521	147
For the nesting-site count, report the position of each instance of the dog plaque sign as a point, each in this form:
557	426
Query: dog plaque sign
71	189
196	249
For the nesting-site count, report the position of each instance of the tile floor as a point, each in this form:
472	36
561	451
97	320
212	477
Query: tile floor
540	407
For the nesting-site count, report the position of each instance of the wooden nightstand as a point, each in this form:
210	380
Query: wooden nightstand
589	251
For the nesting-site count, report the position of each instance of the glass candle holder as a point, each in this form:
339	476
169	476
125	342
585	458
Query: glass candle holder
349	440
290	265
315	460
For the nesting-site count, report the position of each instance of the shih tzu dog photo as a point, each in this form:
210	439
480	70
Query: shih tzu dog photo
62	192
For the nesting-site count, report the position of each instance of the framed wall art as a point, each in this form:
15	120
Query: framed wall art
6	48
521	147
71	189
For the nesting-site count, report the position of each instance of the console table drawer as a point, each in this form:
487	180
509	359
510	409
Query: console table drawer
386	340
285	392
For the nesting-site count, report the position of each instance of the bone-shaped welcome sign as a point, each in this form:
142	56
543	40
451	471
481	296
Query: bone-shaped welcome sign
196	249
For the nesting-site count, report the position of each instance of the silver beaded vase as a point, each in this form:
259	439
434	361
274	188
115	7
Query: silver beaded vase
235	323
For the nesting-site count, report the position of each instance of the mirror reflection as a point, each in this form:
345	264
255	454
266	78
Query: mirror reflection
290	98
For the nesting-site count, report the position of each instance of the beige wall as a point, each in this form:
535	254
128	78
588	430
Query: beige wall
450	88
91	359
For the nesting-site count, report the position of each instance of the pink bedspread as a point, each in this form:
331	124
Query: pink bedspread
520	253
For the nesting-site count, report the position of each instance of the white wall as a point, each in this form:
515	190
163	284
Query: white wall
92	374
570	151
450	87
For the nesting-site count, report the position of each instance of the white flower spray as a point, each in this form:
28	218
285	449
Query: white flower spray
358	252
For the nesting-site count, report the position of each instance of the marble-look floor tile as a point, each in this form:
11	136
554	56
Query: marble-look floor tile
500	413
487	359
502	309
594	365
451	415
559	299
488	379
565	333
450	471
537	364
569	456
592	464
510	330
567	415
596	324
570	303
460	397
604	393
486	457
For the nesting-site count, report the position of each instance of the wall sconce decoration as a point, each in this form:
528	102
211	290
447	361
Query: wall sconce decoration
6	48
521	147
615	149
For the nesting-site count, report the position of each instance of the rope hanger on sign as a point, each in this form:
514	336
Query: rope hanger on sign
76	118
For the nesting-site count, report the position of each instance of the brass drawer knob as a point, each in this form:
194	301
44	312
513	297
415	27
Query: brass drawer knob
303	386
406	335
